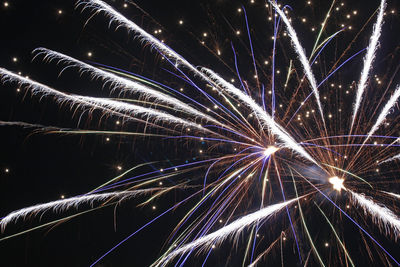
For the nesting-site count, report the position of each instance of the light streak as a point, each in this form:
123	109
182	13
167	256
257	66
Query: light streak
368	60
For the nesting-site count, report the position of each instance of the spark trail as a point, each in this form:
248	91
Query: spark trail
368	60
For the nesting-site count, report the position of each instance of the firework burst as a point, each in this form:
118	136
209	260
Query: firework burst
286	167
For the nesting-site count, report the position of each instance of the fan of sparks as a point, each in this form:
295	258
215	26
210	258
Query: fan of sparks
261	166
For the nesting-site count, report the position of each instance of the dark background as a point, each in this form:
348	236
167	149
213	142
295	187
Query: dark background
43	167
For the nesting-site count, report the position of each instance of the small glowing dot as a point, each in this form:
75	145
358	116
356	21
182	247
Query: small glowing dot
154	207
15	59
160	183
89	54
201	151
348	206
119	168
266	62
392	11
312	29
62	196
221	221
284	238
237	32
252	1
355	12
303	20
213	246
125	5
258	235
7	170
348	16
6	4
278	71
176	169
326	245
239	10
60	12
108	139
181	22
117	122
232	80
205	34
377	170
18	90
308	2
161	170
330	115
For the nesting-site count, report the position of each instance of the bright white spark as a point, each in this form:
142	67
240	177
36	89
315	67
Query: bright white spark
337	183
389	105
300	52
368	60
64	204
233	228
270	150
382	216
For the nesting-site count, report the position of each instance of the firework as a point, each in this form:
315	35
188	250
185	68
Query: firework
285	169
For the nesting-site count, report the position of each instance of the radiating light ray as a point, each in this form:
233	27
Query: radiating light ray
385	111
390	159
266	118
336	235
221	234
92	102
123	84
368	60
303	59
303	221
386	220
392	194
73	202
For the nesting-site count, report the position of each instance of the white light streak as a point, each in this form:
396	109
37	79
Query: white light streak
303	59
387	221
385	111
233	228
64	204
368	60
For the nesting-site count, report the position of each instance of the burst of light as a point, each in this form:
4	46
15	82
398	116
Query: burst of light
337	183
270	150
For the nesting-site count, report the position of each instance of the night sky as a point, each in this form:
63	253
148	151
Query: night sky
37	167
